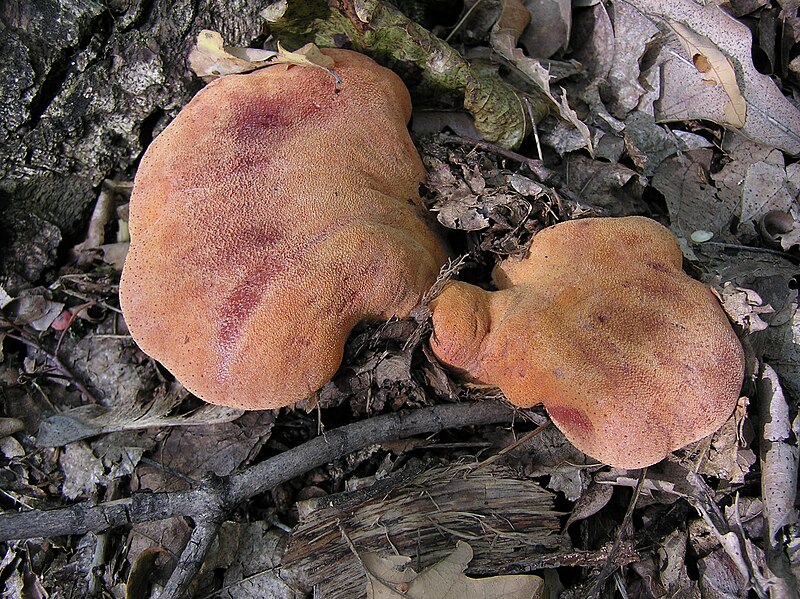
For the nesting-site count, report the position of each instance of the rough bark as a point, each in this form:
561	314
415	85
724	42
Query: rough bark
85	86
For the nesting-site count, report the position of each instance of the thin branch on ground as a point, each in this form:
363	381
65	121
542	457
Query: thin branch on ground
611	564
544	174
580	558
334	444
22	338
192	558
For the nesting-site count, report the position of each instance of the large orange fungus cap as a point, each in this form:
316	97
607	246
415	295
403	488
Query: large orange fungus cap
631	357
268	219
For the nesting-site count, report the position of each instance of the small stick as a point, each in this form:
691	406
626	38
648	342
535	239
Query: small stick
610	566
544	174
146	507
58	364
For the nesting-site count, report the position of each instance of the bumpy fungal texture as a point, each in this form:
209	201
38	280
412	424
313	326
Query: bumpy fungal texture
268	219
631	357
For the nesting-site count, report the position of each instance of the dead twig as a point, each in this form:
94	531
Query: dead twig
541	172
207	526
214	498
611	565
22	338
625	554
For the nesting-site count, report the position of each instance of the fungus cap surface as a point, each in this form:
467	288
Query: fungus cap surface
268	219
631	357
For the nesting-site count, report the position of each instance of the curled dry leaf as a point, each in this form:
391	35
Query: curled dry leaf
211	58
633	34
34	309
769	118
779	457
684	181
745	307
715	69
444	580
513	19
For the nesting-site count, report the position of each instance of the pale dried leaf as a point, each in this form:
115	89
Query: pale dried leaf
719	577
782	343
249	553
82	470
11	449
770	117
690	194
633	33
649	144
596	53
602	183
549	31
740	177
715	69
673	573
594	499
745	307
444	580
525	186
764	190
115	254
731	542
211	58
4	297
307	56
34	309
728	456
514	18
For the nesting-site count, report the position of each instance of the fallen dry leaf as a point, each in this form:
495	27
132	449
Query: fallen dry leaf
715	69
745	307
82	470
690	194
249	553
549	30
90	420
210	57
513	19
782	344
780	458
633	33
726	455
603	183
673	573
770	117
764	190
444	580
648	144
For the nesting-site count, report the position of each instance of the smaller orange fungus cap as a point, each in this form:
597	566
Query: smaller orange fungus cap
631	357
268	219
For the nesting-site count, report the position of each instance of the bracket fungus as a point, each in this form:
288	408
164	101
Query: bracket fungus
268	219
631	357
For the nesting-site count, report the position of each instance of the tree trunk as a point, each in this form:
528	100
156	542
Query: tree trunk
85	86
